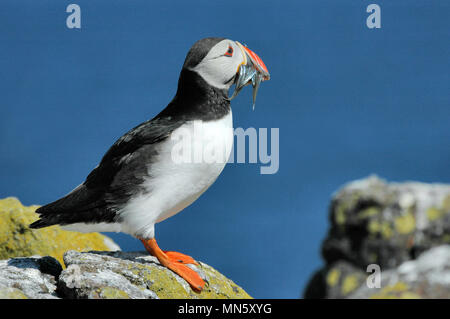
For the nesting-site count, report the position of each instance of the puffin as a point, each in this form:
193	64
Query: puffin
163	165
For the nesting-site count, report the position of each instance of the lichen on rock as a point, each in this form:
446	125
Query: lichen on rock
107	275
428	276
29	277
18	240
102	273
375	222
136	275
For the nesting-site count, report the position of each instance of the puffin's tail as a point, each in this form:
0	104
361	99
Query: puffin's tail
40	223
72	208
45	218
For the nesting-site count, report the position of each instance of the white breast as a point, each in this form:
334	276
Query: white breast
188	163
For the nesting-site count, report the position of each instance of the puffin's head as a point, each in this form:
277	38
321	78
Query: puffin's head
223	62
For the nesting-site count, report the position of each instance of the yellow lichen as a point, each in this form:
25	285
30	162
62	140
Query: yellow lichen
405	224
333	277
11	293
340	216
397	287
373	226
368	212
446	204
112	293
410	295
166	286
398	290
386	230
18	240
346	205
349	284
446	238
433	213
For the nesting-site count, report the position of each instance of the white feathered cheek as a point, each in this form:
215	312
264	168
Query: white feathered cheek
219	67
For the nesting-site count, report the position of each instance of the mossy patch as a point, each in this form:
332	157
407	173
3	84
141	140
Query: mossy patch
345	206
11	293
219	286
18	240
446	239
112	293
399	290
368	212
386	230
339	216
373	257
374	226
446	204
433	213
405	224
159	281
349	284
147	275
333	277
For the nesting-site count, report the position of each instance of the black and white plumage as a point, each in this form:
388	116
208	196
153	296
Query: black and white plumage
137	184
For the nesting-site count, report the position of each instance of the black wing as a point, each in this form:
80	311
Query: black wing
112	182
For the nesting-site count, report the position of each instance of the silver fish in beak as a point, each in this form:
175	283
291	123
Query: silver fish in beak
251	70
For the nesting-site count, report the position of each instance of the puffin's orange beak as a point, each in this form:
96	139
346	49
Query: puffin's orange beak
251	70
258	63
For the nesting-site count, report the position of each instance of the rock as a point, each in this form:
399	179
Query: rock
374	222
426	277
106	275
29	277
17	240
109	274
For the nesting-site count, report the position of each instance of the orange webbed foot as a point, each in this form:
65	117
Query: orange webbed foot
176	261
179	257
188	274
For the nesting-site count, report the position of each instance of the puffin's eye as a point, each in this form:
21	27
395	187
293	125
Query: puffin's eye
229	52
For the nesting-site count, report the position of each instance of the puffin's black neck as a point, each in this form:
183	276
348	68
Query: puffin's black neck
197	100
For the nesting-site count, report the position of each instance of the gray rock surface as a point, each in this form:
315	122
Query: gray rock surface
97	276
426	277
29	277
136	275
106	275
375	222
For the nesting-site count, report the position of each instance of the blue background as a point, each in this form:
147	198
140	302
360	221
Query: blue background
349	101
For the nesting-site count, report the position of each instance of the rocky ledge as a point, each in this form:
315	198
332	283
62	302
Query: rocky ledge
402	229
74	269
106	275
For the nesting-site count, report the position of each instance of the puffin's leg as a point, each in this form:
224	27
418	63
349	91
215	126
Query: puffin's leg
173	264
